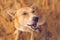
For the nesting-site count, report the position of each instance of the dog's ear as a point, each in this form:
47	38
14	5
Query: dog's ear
10	13
34	6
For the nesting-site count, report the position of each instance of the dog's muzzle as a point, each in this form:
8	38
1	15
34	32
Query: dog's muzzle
34	25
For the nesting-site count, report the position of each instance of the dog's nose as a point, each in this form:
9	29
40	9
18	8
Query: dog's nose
36	19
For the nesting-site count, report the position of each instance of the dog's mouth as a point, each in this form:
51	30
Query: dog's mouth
33	26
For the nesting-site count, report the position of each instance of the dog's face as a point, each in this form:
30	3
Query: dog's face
26	17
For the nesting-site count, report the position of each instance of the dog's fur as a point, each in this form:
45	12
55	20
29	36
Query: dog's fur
23	17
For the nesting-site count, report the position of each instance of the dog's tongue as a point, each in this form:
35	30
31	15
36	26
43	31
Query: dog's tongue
33	25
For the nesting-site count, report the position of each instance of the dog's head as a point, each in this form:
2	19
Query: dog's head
26	17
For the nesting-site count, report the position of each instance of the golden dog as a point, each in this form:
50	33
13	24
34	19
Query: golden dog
25	20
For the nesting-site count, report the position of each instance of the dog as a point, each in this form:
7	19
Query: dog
25	20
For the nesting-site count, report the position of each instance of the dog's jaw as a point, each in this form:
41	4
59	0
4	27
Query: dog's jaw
25	29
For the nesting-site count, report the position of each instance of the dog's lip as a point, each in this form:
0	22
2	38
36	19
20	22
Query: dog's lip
33	25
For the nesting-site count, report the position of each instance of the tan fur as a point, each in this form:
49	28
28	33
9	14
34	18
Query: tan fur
19	26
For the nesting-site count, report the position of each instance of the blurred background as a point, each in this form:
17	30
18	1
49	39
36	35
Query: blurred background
50	9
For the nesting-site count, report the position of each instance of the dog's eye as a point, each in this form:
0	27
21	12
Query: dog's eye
25	13
33	11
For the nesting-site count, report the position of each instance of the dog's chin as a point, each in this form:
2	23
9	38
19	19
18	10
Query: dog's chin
33	25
